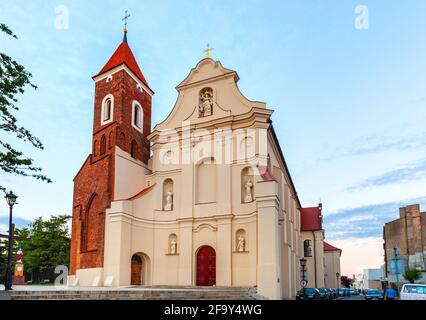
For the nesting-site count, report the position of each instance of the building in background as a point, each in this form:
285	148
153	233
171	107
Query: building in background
313	245
331	266
372	279
408	234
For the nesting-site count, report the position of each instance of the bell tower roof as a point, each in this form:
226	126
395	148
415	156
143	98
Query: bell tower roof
124	55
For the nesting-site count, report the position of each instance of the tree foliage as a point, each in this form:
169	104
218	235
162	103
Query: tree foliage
14	78
412	274
48	247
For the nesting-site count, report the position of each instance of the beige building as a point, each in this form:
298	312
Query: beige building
215	203
408	234
312	235
332	271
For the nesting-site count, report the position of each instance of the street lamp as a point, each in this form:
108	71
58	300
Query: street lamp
11	200
337	278
395	253
303	267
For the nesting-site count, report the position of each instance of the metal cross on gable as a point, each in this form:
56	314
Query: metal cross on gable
208	51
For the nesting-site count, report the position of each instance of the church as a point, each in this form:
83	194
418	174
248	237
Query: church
204	198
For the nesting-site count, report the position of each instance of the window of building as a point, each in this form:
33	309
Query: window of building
137	116
107	109
307	249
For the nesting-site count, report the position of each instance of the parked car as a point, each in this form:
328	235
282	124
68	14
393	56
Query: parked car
333	293
341	292
374	294
413	292
308	294
324	294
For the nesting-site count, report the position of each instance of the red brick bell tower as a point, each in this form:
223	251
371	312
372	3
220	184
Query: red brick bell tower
122	119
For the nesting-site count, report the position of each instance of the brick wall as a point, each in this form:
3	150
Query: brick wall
94	183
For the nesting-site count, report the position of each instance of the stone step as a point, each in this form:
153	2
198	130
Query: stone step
167	293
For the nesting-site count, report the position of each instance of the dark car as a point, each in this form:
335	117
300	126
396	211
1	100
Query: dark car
324	294
341	292
333	293
308	294
374	294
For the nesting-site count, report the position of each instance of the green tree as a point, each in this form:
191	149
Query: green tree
49	245
13	80
412	274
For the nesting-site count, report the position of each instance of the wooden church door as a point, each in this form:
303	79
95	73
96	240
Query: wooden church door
136	270
206	266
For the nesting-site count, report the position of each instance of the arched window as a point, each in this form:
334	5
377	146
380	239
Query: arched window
103	145
168	195
110	142
133	149
89	240
95	148
246	148
137	116
307	248
206	181
107	109
247	185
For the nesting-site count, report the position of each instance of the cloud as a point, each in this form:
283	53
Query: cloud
359	254
18	221
378	143
365	221
405	174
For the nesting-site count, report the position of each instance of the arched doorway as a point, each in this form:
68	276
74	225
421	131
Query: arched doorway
136	270
206	266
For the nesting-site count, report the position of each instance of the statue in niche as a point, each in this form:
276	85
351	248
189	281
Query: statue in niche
205	107
241	245
248	191
169	201
173	246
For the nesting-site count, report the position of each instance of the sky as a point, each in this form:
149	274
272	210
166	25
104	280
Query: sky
349	103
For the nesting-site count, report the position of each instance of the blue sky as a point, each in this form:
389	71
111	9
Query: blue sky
349	104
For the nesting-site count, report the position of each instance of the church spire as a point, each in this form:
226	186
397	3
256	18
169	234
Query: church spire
126	17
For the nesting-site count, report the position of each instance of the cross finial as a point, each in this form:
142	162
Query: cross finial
208	51
126	17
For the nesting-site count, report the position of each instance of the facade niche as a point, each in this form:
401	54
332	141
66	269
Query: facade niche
168	195
172	244
240	241
247	194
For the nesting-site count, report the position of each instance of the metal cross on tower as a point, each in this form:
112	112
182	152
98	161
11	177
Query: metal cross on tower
126	17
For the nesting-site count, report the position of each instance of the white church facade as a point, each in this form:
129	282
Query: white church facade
206	200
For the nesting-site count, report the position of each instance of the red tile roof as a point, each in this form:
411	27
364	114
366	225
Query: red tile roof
310	219
124	55
140	193
265	173
329	247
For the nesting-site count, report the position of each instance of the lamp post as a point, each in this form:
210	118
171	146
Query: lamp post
303	267
337	279
395	253
11	200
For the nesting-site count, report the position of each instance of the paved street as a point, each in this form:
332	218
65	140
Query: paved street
352	298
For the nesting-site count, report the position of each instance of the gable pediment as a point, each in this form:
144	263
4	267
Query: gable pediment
206	70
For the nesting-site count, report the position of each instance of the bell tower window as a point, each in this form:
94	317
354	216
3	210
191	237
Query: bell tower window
137	116
107	109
